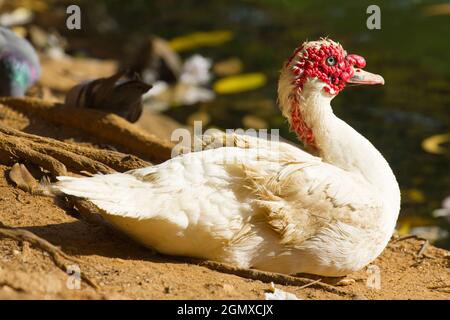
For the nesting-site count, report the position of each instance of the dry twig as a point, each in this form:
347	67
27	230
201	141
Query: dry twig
409	236
421	252
268	277
55	253
422	248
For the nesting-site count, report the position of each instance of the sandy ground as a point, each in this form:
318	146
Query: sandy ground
125	270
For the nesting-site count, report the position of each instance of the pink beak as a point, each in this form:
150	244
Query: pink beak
364	77
361	76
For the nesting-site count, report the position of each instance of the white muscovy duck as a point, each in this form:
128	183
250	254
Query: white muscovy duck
264	204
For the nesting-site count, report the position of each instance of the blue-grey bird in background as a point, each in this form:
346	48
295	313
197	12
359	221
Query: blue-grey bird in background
19	64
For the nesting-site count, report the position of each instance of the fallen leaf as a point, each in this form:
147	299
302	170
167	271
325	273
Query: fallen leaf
20	175
239	83
413	195
403	229
200	39
433	144
437	9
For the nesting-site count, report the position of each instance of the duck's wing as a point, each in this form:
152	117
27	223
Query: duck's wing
305	197
305	194
199	187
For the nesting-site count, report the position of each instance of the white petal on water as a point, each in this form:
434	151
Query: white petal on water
196	70
444	211
196	94
446	203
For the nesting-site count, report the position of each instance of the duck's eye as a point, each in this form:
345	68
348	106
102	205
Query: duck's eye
331	61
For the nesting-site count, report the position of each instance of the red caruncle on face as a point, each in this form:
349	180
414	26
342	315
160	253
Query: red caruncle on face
329	63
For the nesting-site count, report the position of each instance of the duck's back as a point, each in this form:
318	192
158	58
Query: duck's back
192	205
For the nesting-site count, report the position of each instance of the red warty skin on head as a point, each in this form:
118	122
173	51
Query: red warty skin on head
330	64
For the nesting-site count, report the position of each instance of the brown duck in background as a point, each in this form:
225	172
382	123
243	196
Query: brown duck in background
119	94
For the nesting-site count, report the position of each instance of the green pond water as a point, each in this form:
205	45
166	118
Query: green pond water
411	52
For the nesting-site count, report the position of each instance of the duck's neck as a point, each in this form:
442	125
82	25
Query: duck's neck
340	145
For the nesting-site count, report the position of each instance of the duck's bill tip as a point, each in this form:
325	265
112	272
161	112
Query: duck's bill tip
364	77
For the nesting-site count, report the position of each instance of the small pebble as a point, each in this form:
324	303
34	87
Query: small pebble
228	288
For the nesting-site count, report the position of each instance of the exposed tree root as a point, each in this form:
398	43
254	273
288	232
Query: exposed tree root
277	278
55	253
107	127
56	156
